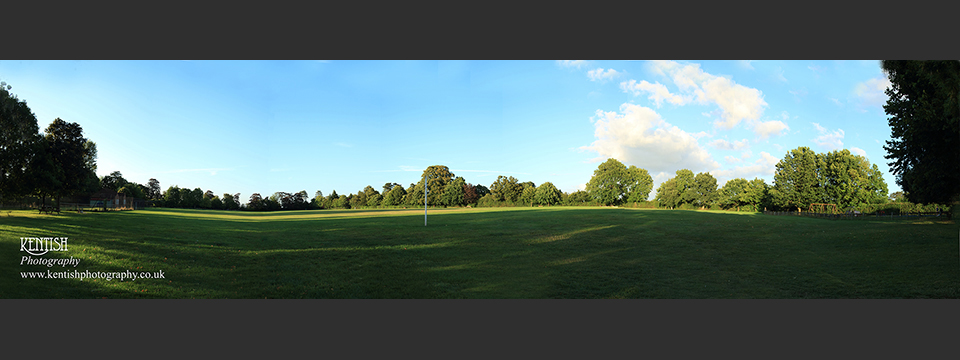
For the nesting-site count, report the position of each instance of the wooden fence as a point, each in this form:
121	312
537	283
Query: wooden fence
852	215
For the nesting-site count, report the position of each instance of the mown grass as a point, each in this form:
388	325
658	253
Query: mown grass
560	252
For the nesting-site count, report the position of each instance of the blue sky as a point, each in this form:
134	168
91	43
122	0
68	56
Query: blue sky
268	126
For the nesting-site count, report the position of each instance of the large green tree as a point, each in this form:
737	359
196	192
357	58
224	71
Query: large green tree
372	196
190	199
173	199
613	183
453	194
578	197
667	194
734	193
506	189
414	195
796	181
924	119
704	189
328	201
678	190
230	202
849	180
216	203
301	200
527	194
388	186
19	139
114	181
134	190
481	190
739	193
547	194
70	153
394	196
638	183
440	176
607	184
255	203
686	193
342	202
358	200
757	193
153	189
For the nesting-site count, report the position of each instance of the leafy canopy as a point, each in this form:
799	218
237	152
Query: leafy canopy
614	184
924	119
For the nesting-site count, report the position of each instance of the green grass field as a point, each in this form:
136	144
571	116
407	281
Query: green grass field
562	252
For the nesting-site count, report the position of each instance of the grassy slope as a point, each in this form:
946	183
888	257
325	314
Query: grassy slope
487	253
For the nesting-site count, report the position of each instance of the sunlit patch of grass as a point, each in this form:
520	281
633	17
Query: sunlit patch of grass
464	266
568	235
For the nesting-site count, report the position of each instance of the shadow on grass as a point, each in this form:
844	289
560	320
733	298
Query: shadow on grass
490	253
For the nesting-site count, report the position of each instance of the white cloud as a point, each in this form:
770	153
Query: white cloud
746	154
835	101
663	176
659	178
726	145
736	102
701	134
779	75
658	92
745	64
599	74
858	151
764	166
830	140
765	129
637	135
732	160
572	63
871	92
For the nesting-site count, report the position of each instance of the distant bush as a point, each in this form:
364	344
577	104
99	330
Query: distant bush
899	208
488	200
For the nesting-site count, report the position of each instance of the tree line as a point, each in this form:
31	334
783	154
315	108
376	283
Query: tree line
803	177
56	163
